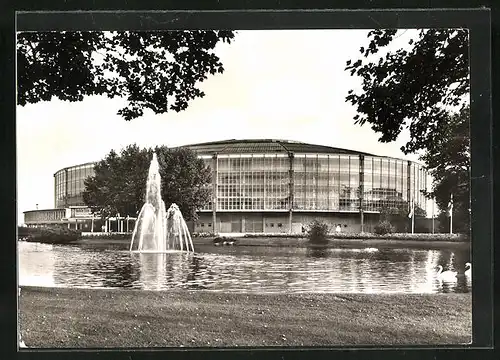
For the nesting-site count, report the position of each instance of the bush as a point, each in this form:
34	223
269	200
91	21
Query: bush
384	227
274	235
317	232
202	234
108	236
222	240
49	235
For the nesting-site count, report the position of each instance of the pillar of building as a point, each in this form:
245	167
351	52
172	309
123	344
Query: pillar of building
290	192
215	166
408	188
361	191
92	224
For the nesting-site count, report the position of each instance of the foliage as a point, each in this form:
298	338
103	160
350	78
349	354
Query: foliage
119	183
317	232
202	234
448	162
107	236
397	215
274	235
185	180
411	88
366	235
49	235
156	70
384	227
223	240
388	212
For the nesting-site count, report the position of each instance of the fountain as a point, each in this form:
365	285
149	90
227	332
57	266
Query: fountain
157	229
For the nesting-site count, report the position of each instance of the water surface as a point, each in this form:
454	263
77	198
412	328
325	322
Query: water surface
257	269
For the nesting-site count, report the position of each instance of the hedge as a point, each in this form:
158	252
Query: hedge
49	235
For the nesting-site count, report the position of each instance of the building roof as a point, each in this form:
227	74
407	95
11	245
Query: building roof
260	146
87	164
266	146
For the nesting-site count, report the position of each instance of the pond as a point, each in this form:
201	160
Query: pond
257	269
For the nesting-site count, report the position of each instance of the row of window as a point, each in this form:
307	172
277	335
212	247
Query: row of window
330	182
69	185
320	183
54	215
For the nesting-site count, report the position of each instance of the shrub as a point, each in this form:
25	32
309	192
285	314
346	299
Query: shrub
202	234
317	232
50	235
384	227
222	240
108	236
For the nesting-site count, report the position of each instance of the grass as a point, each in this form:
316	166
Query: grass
303	242
282	241
366	235
97	318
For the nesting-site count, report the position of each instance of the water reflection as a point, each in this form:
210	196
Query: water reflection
244	269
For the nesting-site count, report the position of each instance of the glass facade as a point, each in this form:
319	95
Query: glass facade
252	182
69	185
315	182
385	184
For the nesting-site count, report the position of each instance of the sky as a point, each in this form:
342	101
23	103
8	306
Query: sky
281	84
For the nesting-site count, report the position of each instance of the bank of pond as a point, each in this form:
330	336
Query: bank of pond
48	235
63	235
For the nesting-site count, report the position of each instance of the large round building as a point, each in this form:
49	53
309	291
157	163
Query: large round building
279	186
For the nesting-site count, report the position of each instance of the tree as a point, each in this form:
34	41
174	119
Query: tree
119	183
397	214
156	70
412	88
421	88
186	180
448	161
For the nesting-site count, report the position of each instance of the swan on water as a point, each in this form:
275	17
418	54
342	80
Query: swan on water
446	275
468	269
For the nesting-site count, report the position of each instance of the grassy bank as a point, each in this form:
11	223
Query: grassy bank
282	241
48	235
372	236
115	318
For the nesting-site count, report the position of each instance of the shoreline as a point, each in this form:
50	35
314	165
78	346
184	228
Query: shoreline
104	318
303	243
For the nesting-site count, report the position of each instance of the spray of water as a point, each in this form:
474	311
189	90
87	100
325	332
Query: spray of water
158	229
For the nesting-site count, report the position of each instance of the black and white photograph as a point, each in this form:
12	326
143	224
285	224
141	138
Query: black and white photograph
187	188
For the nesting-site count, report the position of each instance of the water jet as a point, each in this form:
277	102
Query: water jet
158	229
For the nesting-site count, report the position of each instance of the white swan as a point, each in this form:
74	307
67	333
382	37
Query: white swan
446	275
468	271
